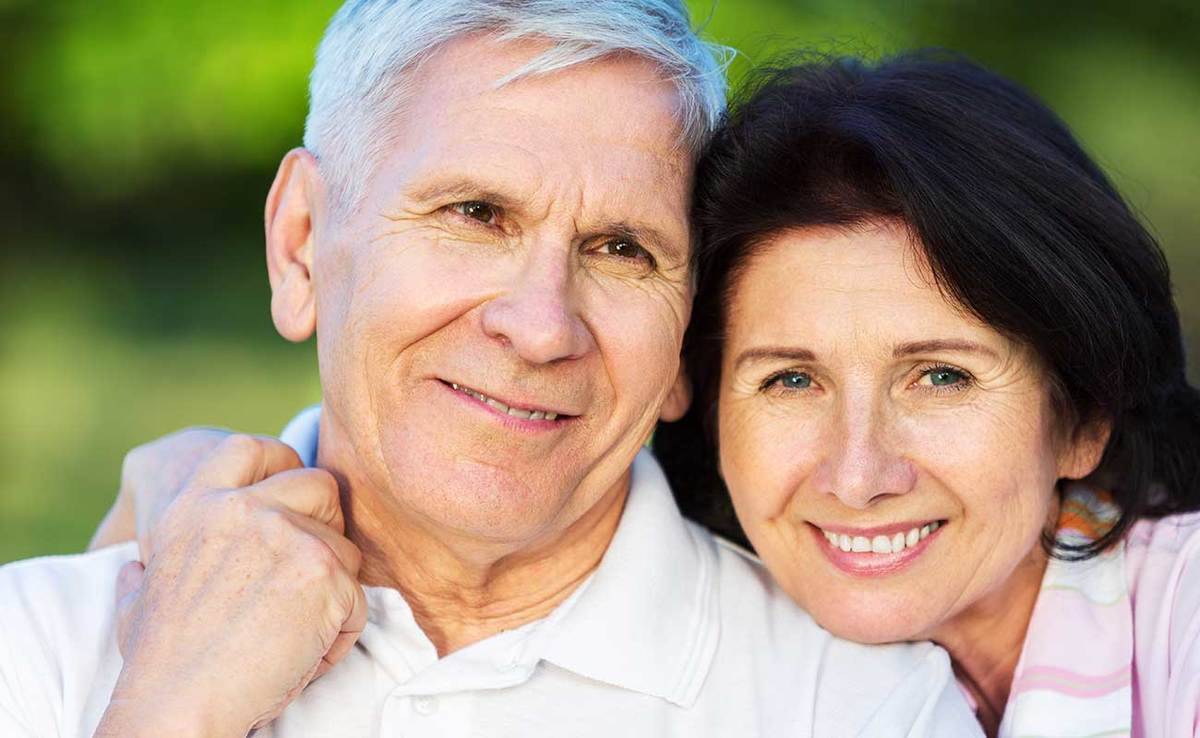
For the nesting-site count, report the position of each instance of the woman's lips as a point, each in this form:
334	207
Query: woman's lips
876	552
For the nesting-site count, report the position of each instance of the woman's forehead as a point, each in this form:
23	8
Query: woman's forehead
820	284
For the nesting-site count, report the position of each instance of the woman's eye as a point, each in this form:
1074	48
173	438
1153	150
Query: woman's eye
790	380
944	376
476	210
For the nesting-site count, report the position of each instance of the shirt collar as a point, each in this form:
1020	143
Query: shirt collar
301	434
1076	665
647	619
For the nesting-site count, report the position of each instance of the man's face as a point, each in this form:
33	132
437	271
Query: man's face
499	324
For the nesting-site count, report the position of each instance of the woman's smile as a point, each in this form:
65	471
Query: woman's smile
878	555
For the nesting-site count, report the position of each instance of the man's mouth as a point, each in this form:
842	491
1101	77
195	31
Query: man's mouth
525	413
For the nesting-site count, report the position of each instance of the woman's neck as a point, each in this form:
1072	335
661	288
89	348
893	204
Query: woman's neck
985	641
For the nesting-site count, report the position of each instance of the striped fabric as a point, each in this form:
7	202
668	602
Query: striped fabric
1073	678
1105	653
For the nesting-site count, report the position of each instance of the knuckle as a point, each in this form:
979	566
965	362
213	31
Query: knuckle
240	446
323	480
272	525
139	461
354	554
274	443
239	505
317	563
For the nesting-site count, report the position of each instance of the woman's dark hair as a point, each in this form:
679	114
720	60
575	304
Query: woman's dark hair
1018	226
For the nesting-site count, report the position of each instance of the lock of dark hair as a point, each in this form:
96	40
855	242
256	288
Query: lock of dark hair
1018	225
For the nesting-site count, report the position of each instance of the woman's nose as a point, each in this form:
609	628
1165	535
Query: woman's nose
863	462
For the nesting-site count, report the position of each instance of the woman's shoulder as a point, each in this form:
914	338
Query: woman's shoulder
1159	546
1162	571
1162	566
1173	540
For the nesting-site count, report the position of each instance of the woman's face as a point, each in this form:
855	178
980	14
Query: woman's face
892	459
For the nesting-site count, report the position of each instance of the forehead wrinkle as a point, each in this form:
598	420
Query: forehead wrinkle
613	210
594	176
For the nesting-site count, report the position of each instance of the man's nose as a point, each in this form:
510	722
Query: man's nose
862	464
538	314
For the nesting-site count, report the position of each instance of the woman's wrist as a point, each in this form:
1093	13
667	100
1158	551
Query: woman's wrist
119	524
138	709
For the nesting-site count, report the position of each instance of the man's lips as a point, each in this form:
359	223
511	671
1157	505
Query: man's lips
513	407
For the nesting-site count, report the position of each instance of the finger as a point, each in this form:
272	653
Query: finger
312	493
242	460
352	628
129	579
128	588
346	552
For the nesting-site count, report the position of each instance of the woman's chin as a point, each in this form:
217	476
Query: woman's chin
869	632
871	619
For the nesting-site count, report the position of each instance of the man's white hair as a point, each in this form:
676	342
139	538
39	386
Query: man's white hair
359	80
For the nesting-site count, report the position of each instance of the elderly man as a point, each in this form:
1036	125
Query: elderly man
487	231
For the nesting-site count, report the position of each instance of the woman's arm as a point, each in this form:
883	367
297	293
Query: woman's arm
151	475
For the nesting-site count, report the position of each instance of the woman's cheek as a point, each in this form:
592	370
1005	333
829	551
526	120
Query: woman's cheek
765	457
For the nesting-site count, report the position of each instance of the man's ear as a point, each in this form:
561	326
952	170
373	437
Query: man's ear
679	398
290	207
1084	449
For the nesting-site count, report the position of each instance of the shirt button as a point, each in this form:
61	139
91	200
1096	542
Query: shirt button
425	705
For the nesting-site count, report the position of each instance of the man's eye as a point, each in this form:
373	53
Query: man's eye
626	249
476	210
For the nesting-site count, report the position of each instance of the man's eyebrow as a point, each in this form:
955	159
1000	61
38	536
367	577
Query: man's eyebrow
460	190
646	235
942	344
773	353
466	190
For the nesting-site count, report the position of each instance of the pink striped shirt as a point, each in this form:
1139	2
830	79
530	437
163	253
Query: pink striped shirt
1113	647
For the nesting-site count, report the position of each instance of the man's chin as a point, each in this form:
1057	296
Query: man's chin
486	501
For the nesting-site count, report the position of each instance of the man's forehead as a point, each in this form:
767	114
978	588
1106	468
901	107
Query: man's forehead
599	140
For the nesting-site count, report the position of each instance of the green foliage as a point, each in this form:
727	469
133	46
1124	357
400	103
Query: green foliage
139	139
138	88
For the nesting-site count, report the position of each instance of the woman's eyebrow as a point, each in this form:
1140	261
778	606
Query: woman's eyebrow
942	344
773	353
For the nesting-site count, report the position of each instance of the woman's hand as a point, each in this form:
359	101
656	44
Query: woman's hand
151	476
249	592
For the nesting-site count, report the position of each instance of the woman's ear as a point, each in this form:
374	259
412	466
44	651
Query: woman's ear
679	398
289	227
1085	449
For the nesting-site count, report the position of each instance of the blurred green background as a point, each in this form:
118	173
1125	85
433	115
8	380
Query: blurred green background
138	140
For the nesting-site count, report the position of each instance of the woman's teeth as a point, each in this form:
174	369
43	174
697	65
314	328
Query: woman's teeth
495	404
880	544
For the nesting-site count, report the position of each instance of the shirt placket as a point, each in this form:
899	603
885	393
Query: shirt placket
440	699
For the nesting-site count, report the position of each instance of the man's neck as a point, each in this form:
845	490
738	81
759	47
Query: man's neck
463	591
985	641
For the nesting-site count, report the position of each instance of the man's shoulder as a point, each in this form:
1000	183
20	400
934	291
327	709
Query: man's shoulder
819	675
58	652
74	576
61	601
751	598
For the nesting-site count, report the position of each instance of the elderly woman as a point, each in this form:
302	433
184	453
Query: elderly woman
938	368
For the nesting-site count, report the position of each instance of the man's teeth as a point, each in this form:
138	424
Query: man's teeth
516	412
880	544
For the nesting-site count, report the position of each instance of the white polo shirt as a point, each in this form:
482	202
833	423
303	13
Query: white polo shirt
675	634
